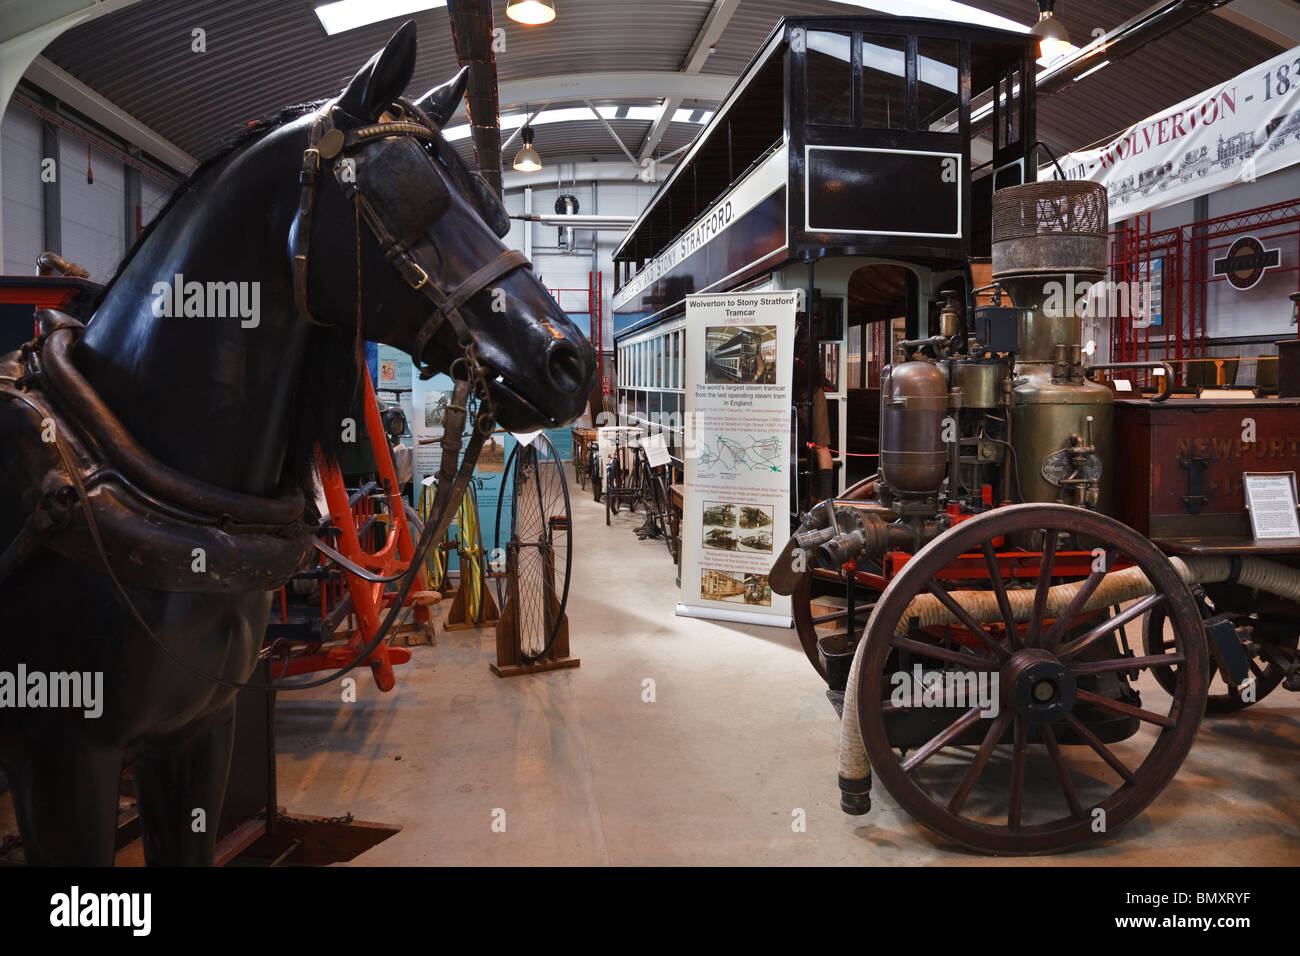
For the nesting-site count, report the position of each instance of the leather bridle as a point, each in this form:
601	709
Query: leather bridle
326	142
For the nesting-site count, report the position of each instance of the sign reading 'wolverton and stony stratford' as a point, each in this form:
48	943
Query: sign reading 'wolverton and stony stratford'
1238	131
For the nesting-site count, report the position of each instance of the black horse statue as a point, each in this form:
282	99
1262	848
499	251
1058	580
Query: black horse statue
185	416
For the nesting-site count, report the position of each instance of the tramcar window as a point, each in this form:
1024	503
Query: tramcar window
830	78
937	91
884	81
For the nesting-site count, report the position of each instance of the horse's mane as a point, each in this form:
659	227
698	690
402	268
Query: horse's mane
330	381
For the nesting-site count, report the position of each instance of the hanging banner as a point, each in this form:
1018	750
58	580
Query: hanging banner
736	499
1237	132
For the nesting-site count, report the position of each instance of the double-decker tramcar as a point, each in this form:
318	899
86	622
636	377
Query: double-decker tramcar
854	159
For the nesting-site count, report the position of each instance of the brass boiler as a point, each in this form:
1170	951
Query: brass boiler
1050	238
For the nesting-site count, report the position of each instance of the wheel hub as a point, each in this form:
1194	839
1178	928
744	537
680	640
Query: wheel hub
1040	688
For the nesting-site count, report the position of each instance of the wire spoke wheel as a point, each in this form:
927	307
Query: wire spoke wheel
435	558
1050	745
539	556
470	554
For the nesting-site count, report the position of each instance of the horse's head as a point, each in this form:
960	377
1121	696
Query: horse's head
434	275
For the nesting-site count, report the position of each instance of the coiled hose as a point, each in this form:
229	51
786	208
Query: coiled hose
1116	588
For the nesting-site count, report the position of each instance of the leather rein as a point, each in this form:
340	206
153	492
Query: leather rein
325	142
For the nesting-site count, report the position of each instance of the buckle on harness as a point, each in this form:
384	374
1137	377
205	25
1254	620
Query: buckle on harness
412	264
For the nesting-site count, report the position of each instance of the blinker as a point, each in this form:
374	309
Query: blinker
405	190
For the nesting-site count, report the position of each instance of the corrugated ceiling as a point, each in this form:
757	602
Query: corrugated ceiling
262	54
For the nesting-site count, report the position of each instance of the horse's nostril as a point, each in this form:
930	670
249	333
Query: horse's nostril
564	366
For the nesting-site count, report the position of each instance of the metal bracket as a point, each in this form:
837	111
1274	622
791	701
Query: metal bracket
1195	500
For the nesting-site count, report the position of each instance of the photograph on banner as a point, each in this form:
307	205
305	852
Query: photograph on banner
736	493
429	400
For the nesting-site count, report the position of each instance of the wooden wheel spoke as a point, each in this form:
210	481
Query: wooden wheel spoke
1062	771
1015	802
966	619
940	740
972	775
1256	669
1128	710
1086	591
1135	609
1102	750
1048	562
1128	663
1000	590
934	652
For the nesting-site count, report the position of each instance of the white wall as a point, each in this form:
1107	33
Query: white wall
94	214
611	198
93	223
20	139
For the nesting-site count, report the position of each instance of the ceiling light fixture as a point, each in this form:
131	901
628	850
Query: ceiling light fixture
1053	38
344	15
531	12
527	160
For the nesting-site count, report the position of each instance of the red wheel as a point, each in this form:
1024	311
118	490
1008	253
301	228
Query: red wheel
1010	783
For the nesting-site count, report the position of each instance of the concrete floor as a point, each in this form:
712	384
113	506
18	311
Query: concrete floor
740	735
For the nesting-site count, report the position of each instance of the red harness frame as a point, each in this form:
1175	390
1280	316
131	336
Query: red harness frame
348	515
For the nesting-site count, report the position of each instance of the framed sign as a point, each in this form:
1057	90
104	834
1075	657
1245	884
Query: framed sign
1271	501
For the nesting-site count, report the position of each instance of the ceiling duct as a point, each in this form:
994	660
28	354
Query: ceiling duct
471	32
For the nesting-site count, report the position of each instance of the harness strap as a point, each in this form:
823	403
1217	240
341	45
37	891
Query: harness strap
449	303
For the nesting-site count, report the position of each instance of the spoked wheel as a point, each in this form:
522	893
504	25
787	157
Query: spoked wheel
663	511
1273	649
539	559
469	553
593	469
1031	637
435	559
613	487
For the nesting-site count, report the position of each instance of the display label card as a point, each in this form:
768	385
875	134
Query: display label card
656	451
1271	501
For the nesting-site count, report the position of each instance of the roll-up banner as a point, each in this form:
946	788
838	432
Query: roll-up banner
736	499
1233	133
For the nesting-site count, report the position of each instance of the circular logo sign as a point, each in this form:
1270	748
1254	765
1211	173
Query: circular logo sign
1246	262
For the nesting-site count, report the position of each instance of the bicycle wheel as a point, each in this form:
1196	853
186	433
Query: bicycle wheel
593	468
470	553
497	539
539	545
613	488
435	559
663	510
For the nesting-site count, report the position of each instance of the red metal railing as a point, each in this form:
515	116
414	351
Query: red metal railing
1186	253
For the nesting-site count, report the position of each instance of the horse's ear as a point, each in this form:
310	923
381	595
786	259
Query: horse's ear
383	78
442	101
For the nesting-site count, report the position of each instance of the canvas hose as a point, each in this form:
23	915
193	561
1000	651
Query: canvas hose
1115	588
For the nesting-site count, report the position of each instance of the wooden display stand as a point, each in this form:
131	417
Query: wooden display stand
509	662
457	614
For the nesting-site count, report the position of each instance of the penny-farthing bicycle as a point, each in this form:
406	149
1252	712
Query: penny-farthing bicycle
539	558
